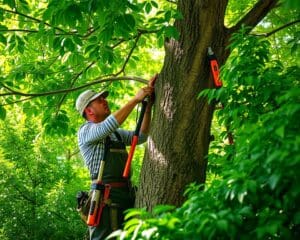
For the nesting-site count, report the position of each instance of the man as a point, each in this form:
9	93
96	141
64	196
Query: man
101	135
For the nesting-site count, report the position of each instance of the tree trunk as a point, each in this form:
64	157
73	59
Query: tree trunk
180	132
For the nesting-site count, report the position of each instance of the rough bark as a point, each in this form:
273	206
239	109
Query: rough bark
180	134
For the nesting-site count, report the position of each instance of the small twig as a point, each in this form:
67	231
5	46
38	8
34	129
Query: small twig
72	84
129	54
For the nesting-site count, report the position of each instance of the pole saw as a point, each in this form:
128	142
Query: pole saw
136	134
215	71
135	138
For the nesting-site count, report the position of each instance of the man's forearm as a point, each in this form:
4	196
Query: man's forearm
123	113
147	119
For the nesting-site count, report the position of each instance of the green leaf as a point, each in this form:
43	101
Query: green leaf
132	223
2	113
57	43
107	55
222	225
291	4
159	209
134	212
72	15
68	44
129	20
168	16
171	32
273	180
10	3
106	35
3	28
280	131
154	4
3	39
148	7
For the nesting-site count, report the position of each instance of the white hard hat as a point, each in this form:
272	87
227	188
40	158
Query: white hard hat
86	97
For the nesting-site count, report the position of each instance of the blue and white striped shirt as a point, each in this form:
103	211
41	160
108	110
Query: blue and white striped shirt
91	137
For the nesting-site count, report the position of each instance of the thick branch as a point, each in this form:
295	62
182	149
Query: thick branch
93	82
277	29
19	30
255	15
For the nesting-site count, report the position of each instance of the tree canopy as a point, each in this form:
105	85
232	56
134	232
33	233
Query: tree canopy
52	50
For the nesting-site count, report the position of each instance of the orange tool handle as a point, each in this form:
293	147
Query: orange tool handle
96	198
135	138
102	204
214	67
94	209
130	156
216	73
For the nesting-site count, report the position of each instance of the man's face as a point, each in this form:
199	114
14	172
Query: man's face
100	108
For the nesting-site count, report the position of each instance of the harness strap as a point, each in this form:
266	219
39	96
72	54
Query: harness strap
118	136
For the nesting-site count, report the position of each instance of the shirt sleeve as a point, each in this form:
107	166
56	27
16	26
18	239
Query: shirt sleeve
92	132
128	135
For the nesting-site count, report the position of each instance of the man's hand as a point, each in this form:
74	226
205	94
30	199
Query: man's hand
142	93
152	80
151	84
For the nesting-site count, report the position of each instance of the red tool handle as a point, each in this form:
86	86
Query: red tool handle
137	132
214	67
94	208
130	156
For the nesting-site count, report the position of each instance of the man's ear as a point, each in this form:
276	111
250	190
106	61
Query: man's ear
88	111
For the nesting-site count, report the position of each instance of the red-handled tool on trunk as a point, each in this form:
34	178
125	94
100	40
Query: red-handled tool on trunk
215	71
214	68
136	133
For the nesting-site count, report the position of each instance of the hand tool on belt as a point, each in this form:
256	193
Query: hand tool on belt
97	200
100	191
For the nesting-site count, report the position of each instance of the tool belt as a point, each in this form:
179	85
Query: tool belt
84	197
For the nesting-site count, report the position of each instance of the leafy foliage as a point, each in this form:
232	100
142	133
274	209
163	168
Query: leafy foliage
257	194
52	49
39	182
